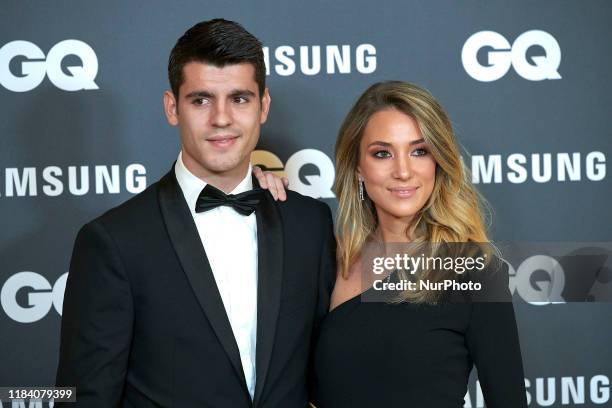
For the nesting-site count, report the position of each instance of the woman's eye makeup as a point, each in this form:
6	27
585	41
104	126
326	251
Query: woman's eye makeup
419	151
383	154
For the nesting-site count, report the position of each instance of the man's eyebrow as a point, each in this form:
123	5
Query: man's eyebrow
386	144
207	94
242	92
199	94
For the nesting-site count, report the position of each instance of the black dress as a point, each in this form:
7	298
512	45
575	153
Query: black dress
419	355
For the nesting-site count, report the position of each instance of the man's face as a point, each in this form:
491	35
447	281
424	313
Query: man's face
219	113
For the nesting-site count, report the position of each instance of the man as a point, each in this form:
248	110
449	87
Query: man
183	296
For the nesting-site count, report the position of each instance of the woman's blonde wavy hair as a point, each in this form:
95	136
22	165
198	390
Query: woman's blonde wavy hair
453	212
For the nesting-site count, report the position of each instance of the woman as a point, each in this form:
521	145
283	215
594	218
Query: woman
400	179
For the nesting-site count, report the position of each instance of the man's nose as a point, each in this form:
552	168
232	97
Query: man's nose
220	116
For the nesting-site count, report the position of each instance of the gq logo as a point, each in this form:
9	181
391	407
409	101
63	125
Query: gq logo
38	299
503	55
35	66
316	186
539	280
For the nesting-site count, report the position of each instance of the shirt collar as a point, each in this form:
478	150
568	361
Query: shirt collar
192	185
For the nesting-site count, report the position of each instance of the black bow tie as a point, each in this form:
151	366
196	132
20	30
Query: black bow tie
244	203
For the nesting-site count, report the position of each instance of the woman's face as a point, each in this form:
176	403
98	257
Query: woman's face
397	168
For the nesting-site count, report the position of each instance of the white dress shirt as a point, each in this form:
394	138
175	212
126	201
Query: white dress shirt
230	242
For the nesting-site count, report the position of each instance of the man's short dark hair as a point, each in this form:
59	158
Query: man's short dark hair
217	42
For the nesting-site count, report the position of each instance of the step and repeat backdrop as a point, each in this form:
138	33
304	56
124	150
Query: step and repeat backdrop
528	86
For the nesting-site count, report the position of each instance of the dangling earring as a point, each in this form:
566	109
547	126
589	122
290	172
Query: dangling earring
360	182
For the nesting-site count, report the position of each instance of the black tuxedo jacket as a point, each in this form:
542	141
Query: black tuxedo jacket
144	324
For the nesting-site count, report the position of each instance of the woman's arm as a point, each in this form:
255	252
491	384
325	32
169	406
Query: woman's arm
493	342
271	182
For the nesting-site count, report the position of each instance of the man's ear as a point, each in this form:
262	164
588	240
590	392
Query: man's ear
265	106
171	108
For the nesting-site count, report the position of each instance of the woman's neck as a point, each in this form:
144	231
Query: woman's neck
393	231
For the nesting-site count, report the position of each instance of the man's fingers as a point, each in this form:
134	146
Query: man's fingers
285	182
